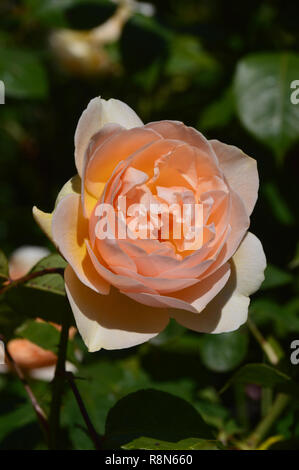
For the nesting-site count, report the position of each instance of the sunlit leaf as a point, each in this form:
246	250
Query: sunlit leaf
148	443
53	283
263	96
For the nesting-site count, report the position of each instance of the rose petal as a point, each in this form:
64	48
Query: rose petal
114	321
229	309
114	150
193	299
69	229
177	130
240	172
98	113
44	219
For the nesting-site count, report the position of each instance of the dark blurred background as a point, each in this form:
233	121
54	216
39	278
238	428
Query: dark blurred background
225	68
177	63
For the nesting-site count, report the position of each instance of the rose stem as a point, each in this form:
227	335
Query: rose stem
15	282
92	432
266	423
41	416
281	400
58	386
271	354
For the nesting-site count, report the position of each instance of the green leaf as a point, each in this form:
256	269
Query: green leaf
187	57
3	266
222	353
284	318
219	113
9	320
148	443
43	334
103	385
265	376
262	87
53	283
170	333
35	303
22	73
275	277
21	416
214	414
154	414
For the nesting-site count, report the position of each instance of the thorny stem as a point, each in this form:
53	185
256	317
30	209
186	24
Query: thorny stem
58	386
41	416
15	282
92	432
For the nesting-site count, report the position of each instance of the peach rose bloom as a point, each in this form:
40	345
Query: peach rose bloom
124	291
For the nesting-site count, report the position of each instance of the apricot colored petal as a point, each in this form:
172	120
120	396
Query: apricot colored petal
98	113
193	299
177	130
113	321
114	150
69	229
240	171
229	309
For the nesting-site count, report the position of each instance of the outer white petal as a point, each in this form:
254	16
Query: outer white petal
111	321
98	113
229	309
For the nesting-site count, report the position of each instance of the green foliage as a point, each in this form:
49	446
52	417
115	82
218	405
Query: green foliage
226	71
33	303
267	376
222	353
275	277
153	414
219	113
262	88
23	74
185	444
42	334
52	283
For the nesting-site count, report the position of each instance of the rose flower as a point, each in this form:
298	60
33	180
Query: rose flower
124	290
